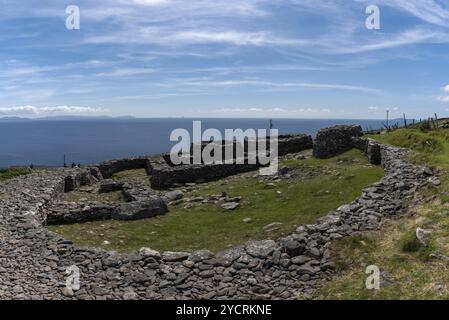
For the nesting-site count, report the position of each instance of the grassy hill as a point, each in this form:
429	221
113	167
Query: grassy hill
410	270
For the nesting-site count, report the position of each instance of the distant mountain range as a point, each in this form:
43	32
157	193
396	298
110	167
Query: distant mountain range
66	118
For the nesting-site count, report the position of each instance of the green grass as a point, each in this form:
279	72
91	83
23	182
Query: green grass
133	173
337	181
80	196
407	264
431	148
407	272
6	174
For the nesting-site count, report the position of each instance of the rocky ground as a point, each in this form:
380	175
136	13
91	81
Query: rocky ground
34	261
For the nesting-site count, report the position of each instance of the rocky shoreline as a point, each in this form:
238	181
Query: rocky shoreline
33	260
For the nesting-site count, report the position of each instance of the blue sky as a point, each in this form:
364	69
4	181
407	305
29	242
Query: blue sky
234	58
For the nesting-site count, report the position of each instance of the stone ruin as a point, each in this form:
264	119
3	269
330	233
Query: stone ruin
333	141
145	201
164	174
33	260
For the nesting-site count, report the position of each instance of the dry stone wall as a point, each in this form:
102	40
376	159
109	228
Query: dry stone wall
332	141
33	260
69	212
165	175
108	168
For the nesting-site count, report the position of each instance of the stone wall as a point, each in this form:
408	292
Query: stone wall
292	143
370	147
33	260
69	212
82	177
333	141
108	168
165	176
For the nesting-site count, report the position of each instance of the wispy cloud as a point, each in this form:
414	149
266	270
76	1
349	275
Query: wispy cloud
126	72
130	53
408	37
273	112
431	11
228	83
445	96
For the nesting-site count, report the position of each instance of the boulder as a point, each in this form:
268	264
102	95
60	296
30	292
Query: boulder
284	170
149	253
141	209
170	256
200	255
421	235
230	205
435	181
173	196
110	185
260	249
232	253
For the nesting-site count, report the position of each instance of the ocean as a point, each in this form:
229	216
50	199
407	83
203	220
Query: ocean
45	142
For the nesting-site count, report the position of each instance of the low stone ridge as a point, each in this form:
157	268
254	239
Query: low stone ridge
294	143
291	143
165	176
108	168
153	206
333	141
137	190
110	185
34	260
70	212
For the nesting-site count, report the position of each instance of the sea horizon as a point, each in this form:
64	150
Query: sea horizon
46	142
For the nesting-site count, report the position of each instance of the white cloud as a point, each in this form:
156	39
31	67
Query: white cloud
32	110
443	98
407	37
227	83
230	37
275	111
431	11
151	2
124	72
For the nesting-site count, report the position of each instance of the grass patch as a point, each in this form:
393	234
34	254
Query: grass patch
291	202
410	244
430	148
409	269
6	174
133	173
80	196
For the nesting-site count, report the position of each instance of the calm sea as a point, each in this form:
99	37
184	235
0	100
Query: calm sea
45	142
